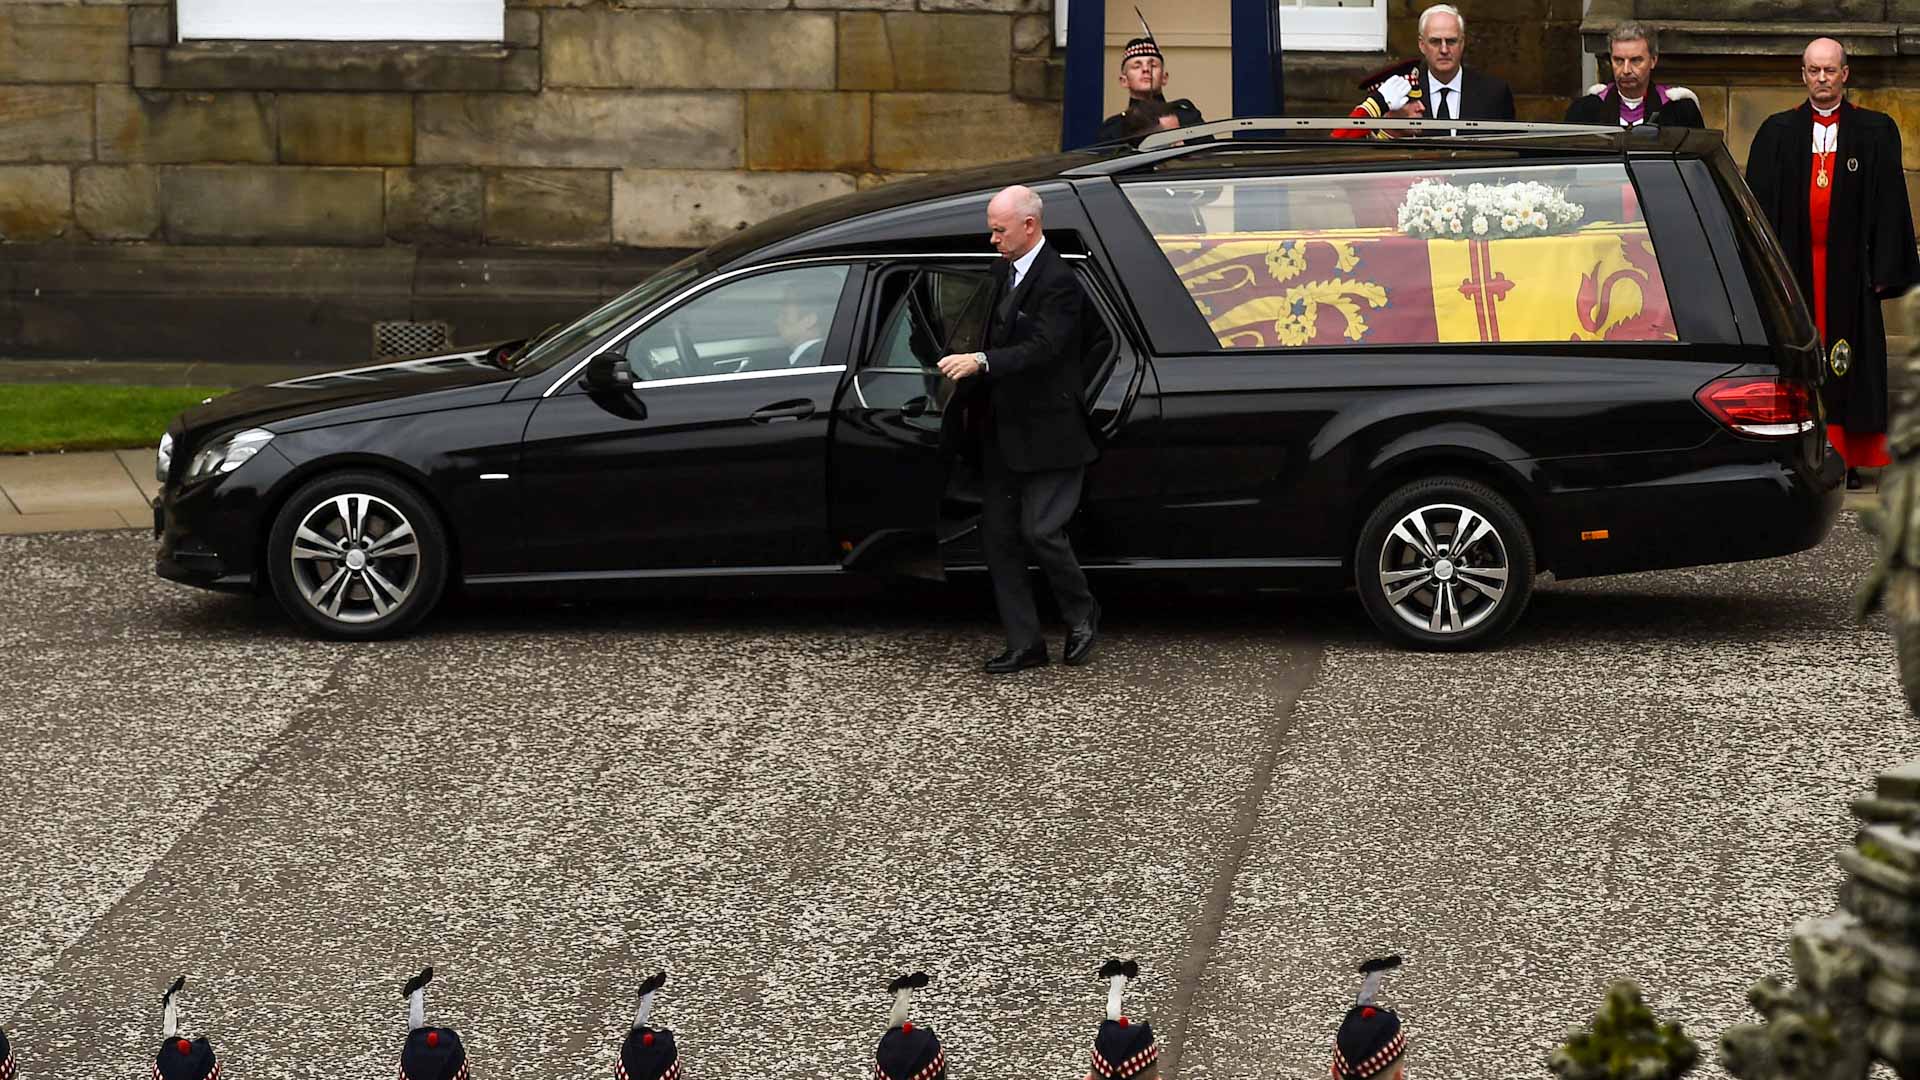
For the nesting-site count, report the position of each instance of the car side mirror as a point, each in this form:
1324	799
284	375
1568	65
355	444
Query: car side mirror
609	373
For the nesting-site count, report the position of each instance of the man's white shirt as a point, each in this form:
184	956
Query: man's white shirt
1024	263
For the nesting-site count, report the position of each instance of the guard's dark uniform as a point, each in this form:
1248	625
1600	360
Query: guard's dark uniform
1114	128
649	1053
1370	1041
1122	1049
179	1058
908	1051
430	1053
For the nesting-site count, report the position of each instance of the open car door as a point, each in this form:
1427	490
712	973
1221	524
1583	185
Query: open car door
887	480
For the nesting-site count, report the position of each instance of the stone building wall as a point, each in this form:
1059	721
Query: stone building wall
540	173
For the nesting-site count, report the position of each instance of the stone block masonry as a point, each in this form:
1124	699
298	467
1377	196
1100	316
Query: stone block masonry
57	43
593	125
846	92
46	123
581	129
265	204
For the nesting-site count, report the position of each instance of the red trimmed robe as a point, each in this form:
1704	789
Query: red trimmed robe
1851	245
1861	447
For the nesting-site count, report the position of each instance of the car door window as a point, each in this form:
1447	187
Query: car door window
768	322
931	313
926	314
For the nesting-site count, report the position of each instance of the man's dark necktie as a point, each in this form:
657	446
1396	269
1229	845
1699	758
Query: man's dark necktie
1443	113
1004	308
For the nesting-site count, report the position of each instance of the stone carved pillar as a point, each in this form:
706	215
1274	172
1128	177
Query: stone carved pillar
1856	997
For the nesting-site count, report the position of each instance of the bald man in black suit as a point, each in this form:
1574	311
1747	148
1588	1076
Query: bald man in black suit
1032	427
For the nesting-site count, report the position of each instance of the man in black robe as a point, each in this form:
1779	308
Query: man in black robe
1143	71
1828	176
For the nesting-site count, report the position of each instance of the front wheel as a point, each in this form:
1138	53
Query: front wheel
357	555
1444	563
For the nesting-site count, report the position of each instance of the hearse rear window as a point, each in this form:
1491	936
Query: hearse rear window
1515	254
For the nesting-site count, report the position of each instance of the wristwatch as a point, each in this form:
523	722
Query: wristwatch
981	359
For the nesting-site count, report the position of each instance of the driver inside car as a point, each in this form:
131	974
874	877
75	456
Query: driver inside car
801	323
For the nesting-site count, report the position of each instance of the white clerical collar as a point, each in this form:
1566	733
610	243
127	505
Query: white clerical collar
1434	85
1025	262
1825	112
1633	102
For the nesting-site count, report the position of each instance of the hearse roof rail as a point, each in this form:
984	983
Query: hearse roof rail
1333	123
1284	131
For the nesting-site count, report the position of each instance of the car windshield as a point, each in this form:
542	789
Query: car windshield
557	346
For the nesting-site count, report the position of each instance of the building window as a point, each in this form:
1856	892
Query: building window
342	20
1333	25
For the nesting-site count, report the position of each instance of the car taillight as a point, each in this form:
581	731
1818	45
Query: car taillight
1763	408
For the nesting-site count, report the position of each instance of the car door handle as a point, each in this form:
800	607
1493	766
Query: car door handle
785	410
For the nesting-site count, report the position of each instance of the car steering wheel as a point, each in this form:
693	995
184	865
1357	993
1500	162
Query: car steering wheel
683	345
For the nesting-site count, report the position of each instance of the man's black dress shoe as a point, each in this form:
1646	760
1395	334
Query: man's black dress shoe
1010	661
1080	640
1854	482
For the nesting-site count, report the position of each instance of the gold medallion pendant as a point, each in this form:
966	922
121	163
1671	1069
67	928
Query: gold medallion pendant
1822	179
1841	358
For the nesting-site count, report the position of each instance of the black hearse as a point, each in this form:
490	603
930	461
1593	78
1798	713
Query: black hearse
1429	367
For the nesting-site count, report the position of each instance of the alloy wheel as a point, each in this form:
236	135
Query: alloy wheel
1444	568
355	558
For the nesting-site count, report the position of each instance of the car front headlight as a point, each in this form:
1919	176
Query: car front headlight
228	454
163	460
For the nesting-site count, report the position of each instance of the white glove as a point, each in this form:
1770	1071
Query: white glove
1395	91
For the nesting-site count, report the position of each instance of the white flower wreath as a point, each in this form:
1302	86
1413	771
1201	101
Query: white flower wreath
1437	209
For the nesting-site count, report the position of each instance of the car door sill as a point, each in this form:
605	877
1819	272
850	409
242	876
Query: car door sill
559	577
482	581
1188	564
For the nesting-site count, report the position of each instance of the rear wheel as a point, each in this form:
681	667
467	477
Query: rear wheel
357	555
1444	563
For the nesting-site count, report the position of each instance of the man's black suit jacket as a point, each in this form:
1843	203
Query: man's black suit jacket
1029	400
1482	96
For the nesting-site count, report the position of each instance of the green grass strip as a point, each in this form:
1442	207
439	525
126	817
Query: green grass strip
66	416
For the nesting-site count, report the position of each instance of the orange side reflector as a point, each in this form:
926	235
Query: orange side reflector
846	545
1594	534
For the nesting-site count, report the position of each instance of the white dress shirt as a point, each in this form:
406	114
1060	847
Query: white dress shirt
1434	86
1024	263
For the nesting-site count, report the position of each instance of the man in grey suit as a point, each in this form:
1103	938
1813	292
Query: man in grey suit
1027	415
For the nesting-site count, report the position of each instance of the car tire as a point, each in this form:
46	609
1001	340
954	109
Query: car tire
1424	587
356	556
